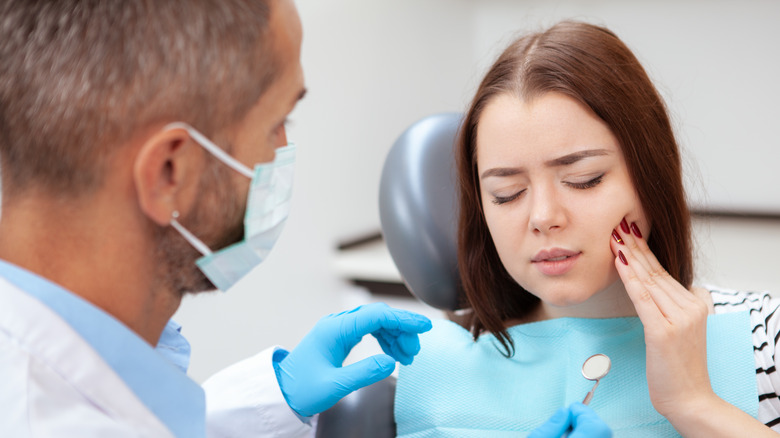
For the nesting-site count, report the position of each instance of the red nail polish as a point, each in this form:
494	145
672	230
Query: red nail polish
624	226
635	229
622	258
617	238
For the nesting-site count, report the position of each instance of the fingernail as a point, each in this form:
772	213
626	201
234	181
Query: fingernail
635	229
617	238
624	226
622	258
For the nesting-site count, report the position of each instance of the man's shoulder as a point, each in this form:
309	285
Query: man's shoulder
51	377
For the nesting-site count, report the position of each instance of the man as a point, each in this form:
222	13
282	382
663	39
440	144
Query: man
128	130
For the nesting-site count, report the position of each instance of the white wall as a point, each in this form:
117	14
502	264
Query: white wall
373	67
717	65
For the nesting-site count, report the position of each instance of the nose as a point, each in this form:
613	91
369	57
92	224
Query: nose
547	213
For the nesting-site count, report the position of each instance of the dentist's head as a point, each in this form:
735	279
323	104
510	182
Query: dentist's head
94	174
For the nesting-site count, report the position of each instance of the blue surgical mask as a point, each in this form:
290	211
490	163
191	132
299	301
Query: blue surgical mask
268	205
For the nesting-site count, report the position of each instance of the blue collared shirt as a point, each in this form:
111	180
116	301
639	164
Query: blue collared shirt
157	377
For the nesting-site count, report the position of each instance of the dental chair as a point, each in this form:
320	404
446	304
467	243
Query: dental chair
419	214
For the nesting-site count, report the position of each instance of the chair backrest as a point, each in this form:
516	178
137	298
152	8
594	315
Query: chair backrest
418	209
419	213
367	412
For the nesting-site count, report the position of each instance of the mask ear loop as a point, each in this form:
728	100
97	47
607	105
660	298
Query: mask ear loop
212	148
189	237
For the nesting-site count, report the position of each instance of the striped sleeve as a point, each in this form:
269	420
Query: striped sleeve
765	319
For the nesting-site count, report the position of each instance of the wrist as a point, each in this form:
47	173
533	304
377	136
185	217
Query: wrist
694	411
281	376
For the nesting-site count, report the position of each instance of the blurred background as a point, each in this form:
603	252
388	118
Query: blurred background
375	67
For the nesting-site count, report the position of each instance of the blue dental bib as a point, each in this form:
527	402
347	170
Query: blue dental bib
457	387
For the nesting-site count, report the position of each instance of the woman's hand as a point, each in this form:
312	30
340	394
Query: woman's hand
675	324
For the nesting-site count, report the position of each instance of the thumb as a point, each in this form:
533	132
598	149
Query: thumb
366	372
555	426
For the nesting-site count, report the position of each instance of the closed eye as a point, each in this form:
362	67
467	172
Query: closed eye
587	184
498	200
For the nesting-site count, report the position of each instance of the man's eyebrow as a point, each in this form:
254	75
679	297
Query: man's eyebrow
576	156
557	162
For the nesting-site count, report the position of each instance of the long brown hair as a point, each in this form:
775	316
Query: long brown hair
593	66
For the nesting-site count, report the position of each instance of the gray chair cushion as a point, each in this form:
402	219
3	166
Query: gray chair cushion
367	412
418	209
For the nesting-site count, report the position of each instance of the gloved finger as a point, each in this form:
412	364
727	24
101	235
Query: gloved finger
388	344
587	424
408	344
363	373
373	317
402	346
555	427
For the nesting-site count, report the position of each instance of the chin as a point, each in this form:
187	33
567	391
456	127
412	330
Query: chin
560	292
563	302
198	284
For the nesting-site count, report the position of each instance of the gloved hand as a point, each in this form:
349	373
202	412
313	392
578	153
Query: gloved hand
311	376
581	418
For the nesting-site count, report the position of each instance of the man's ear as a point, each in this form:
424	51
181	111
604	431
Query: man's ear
166	173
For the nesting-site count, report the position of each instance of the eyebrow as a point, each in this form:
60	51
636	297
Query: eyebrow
565	160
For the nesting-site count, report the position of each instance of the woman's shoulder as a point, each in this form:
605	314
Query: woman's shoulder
445	334
763	308
731	300
765	319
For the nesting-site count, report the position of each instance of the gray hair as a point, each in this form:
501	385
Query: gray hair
80	77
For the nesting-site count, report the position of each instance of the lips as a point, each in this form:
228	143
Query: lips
552	255
555	261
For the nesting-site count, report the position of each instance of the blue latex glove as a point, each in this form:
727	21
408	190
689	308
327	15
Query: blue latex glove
583	420
311	376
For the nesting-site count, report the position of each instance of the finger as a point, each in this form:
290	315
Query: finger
556	426
639	247
655	272
363	373
403	346
587	423
646	291
389	345
409	343
635	244
670	296
644	303
373	317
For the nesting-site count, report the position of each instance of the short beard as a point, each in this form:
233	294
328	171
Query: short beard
216	218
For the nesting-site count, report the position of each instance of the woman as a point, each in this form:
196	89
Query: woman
573	222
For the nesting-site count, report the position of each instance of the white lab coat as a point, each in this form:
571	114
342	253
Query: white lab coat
56	385
244	400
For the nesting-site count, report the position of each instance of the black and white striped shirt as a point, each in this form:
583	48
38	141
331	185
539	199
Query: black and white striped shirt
765	319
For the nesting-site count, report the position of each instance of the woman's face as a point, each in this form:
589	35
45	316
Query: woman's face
554	185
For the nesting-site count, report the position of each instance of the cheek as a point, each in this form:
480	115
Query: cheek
504	230
618	203
503	221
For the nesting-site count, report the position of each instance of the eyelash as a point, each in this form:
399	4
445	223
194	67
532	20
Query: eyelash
588	184
498	200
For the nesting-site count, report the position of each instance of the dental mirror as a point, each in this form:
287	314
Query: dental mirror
595	368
